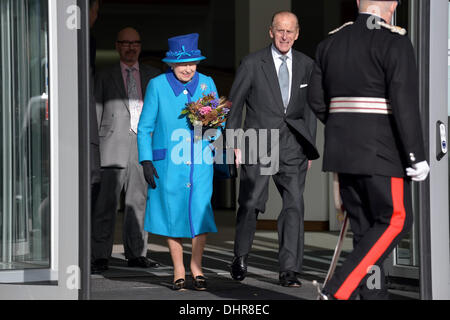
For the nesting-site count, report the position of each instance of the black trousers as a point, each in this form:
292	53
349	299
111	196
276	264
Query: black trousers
380	213
253	195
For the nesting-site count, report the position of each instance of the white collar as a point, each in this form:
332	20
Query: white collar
278	54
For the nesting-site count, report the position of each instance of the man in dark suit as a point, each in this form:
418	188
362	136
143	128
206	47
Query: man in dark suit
119	93
364	88
272	83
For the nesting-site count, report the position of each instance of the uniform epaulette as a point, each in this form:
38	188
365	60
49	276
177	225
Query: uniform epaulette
393	29
341	27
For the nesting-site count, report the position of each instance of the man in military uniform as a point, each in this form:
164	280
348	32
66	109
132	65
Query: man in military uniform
364	88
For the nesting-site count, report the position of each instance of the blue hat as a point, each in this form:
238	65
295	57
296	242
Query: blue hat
183	49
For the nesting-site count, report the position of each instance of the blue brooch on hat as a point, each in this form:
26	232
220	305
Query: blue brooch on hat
183	49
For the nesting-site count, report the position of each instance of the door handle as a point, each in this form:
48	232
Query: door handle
441	139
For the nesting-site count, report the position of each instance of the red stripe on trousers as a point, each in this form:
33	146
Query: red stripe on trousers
395	228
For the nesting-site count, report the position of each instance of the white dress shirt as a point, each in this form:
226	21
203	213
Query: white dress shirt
276	59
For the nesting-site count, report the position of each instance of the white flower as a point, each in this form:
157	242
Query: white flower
203	86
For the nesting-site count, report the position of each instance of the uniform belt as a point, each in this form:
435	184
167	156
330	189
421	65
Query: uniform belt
360	105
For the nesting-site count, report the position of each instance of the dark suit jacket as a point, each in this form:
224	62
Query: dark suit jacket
113	113
375	63
256	85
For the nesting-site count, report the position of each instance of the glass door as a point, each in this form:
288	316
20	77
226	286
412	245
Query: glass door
424	255
25	162
404	262
39	166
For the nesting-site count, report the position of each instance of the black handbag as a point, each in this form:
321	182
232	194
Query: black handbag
227	168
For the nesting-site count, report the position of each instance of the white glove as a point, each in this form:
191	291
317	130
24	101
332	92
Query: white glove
419	171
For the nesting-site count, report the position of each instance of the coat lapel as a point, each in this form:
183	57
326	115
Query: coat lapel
118	80
297	76
270	72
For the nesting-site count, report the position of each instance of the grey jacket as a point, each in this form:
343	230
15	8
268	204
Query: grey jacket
113	113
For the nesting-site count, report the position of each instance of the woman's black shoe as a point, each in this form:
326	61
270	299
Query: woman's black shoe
199	283
178	285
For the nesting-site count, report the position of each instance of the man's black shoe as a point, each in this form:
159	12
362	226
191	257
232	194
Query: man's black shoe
289	279
239	268
142	262
99	266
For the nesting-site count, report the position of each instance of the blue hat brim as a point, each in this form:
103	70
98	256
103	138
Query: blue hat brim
170	60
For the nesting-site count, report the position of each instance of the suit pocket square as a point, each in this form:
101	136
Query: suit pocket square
302	86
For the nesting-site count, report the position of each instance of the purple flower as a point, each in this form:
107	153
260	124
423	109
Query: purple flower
215	103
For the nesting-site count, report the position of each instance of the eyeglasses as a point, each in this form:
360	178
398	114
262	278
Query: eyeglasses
125	43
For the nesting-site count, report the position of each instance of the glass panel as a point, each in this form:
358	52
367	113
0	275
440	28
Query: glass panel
407	252
25	167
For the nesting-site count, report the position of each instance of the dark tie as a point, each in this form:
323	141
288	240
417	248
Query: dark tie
283	78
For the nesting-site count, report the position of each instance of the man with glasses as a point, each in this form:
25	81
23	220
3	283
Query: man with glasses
119	93
272	83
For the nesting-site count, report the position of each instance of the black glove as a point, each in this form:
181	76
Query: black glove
149	172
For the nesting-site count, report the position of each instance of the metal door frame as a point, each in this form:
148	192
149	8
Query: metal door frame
64	272
435	246
84	84
429	33
415	25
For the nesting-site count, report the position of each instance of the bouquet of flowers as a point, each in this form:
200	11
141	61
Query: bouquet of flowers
208	112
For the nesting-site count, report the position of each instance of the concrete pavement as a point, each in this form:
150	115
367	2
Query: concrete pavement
123	283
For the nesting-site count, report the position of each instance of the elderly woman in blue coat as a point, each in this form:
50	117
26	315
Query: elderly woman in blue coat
177	164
